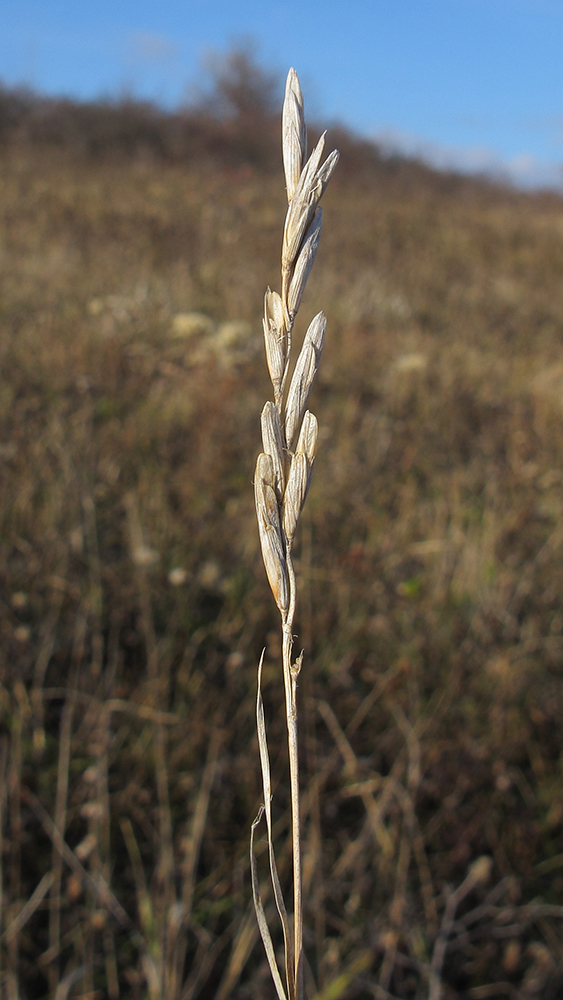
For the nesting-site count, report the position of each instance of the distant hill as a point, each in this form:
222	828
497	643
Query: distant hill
234	124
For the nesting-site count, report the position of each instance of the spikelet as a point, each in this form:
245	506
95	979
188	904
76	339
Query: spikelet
269	529
275	324
300	474
273	445
303	204
304	264
304	376
294	495
294	134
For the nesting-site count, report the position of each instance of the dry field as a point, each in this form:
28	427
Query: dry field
133	602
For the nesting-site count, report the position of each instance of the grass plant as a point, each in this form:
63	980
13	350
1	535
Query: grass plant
281	482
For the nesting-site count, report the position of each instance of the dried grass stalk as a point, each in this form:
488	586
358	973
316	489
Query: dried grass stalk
282	479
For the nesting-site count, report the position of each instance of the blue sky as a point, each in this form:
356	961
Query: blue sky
476	84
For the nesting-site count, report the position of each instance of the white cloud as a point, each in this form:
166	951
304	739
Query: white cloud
524	170
527	170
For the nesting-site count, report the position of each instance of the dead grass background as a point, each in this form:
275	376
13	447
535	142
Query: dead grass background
133	603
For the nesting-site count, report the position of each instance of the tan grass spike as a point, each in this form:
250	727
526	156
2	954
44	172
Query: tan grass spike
281	482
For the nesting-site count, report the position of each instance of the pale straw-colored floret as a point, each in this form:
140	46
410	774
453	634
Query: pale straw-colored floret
294	133
269	528
276	324
303	204
273	445
304	376
304	263
300	475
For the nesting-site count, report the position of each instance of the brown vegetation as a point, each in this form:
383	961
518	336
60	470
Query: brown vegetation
133	603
